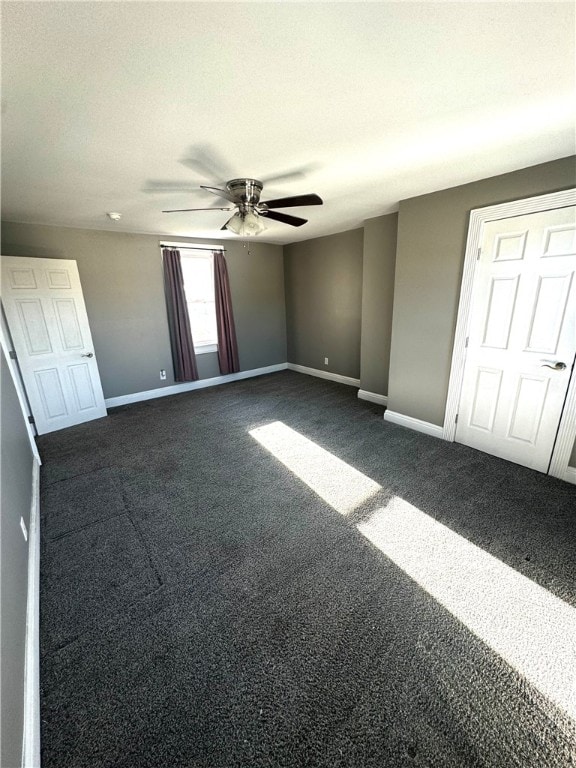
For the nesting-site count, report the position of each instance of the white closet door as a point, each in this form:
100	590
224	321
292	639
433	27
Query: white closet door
522	337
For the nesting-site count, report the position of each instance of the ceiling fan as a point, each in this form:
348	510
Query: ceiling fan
249	210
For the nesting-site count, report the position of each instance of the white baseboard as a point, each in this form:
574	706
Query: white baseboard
188	386
31	730
411	423
324	374
570	475
372	397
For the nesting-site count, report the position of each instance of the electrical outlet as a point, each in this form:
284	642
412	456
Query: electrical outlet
24	529
325	361
162	375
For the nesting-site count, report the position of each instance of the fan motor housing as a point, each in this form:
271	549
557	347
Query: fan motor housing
245	190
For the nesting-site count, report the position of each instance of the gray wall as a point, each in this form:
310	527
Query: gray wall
16	497
377	302
429	261
323	280
121	277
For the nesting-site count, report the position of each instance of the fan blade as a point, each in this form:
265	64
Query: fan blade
295	221
205	160
225	226
183	210
152	187
295	174
290	202
221	193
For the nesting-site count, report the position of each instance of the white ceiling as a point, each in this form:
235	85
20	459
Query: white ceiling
373	102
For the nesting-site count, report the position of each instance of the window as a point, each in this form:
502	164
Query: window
198	274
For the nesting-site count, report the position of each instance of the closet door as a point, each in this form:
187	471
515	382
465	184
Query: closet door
521	337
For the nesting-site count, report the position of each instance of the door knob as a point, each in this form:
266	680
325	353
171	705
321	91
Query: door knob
88	354
556	365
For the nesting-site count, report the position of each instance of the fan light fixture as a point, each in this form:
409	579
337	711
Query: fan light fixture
245	225
244	194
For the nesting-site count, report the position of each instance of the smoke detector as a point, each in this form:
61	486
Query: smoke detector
114	216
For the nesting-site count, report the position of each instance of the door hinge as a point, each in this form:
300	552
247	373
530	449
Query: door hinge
478	256
467	339
31	420
12	355
456	419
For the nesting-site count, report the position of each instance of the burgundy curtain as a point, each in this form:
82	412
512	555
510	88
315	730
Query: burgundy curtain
183	355
227	346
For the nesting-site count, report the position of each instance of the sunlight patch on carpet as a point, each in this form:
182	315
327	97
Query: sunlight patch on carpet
339	484
534	631
530	628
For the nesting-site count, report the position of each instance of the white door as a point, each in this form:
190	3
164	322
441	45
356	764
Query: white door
521	337
46	314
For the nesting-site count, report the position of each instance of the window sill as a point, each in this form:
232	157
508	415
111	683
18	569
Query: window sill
204	349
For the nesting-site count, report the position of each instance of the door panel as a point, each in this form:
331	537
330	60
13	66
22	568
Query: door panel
548	315
68	324
500	312
51	392
34	328
486	396
21	278
527	408
510	246
560	241
522	322
58	278
82	386
46	314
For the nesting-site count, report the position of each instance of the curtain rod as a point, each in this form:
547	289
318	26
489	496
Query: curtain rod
192	247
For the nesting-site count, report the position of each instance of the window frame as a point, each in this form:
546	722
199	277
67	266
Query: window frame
201	252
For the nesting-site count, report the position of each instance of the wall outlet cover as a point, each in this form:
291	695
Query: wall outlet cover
325	361
162	375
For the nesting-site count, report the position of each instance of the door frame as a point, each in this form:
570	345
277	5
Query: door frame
478	217
8	349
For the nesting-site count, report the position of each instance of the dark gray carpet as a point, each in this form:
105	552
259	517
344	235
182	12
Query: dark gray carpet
202	607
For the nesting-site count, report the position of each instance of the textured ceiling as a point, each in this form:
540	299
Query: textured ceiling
367	103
